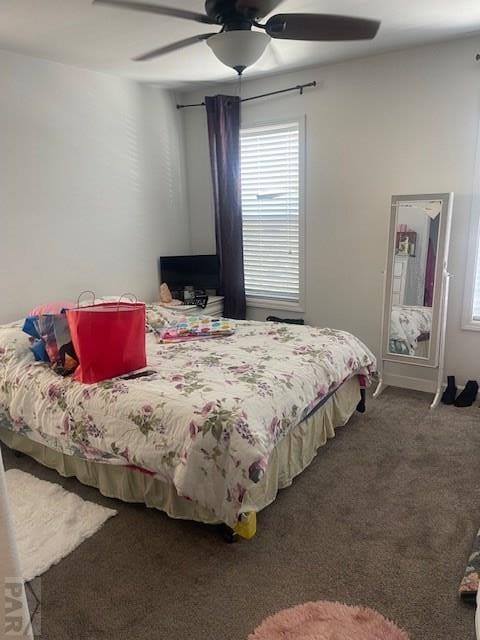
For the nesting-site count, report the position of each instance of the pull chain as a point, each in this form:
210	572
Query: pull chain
239	86
239	93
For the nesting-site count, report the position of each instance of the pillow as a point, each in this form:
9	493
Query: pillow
88	302
159	318
56	337
94	301
14	343
51	308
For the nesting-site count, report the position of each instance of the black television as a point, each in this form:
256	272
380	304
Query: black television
200	272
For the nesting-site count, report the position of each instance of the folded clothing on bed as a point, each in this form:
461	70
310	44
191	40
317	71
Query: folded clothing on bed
196	328
52	342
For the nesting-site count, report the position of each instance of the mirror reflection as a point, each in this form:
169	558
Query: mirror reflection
413	277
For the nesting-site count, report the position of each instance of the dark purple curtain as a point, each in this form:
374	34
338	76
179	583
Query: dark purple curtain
430	275
431	262
223	115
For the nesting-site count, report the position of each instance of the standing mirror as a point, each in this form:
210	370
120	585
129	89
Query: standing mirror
416	293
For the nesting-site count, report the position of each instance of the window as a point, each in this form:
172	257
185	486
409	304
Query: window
272	214
476	293
471	310
471	298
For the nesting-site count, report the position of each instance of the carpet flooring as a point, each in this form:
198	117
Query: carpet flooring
384	517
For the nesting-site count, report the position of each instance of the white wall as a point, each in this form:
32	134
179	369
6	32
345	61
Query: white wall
91	189
399	123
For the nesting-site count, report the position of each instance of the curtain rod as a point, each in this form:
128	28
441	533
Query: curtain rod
299	87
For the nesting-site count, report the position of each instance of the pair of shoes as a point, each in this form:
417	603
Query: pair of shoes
468	396
465	399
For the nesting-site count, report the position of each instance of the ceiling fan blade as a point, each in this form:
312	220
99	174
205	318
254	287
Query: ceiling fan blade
257	8
155	8
173	47
320	27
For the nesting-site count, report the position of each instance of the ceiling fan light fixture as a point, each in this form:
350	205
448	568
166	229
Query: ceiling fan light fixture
239	49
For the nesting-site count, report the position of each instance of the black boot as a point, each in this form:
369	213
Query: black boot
362	406
450	392
468	395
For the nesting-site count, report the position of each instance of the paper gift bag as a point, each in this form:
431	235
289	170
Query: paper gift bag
109	339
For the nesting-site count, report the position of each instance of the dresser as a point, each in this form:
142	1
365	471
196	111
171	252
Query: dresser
214	308
399	280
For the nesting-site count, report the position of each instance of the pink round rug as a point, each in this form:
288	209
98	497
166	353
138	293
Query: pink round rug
327	621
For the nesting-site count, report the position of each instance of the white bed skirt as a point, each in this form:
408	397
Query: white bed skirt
291	456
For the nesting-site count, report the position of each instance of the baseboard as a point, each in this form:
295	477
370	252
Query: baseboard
409	382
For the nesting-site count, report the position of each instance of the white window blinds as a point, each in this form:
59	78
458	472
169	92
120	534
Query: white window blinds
270	167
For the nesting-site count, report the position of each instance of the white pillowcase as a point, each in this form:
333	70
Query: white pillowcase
12	337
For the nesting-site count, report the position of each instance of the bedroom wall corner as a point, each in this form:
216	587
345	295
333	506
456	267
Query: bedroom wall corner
90	177
198	176
164	169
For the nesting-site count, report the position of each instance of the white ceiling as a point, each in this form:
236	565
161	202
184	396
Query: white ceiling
104	39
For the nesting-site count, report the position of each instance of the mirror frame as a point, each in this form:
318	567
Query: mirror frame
440	274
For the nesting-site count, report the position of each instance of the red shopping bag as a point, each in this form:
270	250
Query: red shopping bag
109	339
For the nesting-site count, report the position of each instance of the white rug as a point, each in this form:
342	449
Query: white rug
49	522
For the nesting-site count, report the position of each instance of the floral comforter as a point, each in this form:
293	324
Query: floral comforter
408	323
206	420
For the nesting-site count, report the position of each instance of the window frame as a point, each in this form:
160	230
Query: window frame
265	302
473	255
473	251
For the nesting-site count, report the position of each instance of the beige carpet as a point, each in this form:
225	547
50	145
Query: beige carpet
384	517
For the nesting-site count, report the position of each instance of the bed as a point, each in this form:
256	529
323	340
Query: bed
211	434
410	328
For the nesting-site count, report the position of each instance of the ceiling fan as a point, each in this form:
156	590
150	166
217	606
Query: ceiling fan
237	44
